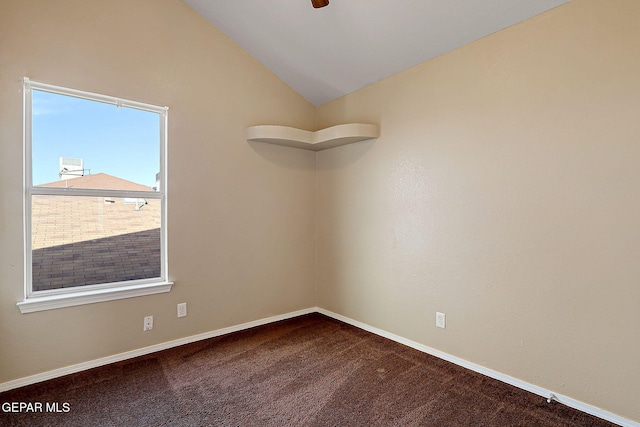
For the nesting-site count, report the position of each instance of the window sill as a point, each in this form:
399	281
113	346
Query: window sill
52	302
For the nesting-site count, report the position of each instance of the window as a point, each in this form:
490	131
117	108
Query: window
95	198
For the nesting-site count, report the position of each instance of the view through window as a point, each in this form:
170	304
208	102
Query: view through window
95	190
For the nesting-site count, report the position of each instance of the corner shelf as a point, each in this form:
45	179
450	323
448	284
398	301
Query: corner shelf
323	139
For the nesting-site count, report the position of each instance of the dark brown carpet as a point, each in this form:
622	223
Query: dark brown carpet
307	371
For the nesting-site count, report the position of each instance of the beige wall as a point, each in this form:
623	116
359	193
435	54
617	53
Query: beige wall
503	191
241	221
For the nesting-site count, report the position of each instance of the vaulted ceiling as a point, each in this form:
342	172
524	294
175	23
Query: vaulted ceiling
329	52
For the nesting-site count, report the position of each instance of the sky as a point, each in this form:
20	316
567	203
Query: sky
120	141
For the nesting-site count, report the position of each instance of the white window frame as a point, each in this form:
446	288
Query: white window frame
66	297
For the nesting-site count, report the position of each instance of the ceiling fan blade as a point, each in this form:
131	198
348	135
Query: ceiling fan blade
319	3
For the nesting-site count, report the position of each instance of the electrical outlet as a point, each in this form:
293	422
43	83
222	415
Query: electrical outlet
148	323
182	309
440	320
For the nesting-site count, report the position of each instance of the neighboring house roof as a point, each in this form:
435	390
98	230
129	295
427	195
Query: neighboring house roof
98	181
81	240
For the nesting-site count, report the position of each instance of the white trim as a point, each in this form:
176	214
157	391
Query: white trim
93	96
44	376
27	111
61	297
70	299
86	192
164	202
572	403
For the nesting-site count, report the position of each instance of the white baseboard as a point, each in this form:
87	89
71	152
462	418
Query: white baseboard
565	400
44	376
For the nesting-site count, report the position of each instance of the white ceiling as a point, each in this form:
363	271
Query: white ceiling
329	52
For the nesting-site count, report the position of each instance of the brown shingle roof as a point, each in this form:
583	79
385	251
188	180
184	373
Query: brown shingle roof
78	240
61	220
98	181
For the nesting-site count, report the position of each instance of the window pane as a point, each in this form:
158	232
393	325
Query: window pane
88	144
79	241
